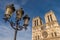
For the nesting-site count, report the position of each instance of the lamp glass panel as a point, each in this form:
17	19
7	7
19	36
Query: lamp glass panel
19	14
8	11
26	21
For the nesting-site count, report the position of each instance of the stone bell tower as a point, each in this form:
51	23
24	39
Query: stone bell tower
48	31
50	19
36	21
36	27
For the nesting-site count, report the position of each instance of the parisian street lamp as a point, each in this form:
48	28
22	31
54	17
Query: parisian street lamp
19	15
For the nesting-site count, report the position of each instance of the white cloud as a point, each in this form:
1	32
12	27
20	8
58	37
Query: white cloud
7	34
3	3
17	6
7	38
17	3
24	2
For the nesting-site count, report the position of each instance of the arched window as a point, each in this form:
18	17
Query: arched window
37	22
52	34
37	37
40	22
55	33
50	17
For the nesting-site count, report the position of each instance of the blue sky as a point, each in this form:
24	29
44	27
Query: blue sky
31	7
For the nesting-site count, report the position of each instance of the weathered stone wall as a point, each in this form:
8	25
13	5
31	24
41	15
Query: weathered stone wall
48	31
54	38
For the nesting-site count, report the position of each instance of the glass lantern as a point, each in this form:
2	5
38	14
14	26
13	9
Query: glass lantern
26	20
9	10
19	14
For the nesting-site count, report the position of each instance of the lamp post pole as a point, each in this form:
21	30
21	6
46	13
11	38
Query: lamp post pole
19	15
15	35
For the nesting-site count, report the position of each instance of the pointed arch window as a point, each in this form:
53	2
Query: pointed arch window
40	22
35	22
55	33
50	17
37	37
52	34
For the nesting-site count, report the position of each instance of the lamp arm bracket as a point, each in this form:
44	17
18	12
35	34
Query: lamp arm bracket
12	24
20	28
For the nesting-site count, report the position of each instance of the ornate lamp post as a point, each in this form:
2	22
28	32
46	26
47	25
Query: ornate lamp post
19	15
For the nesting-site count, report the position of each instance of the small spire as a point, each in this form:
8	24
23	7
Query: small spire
51	11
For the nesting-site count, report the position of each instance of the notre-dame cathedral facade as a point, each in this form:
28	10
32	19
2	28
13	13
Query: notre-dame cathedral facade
48	31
